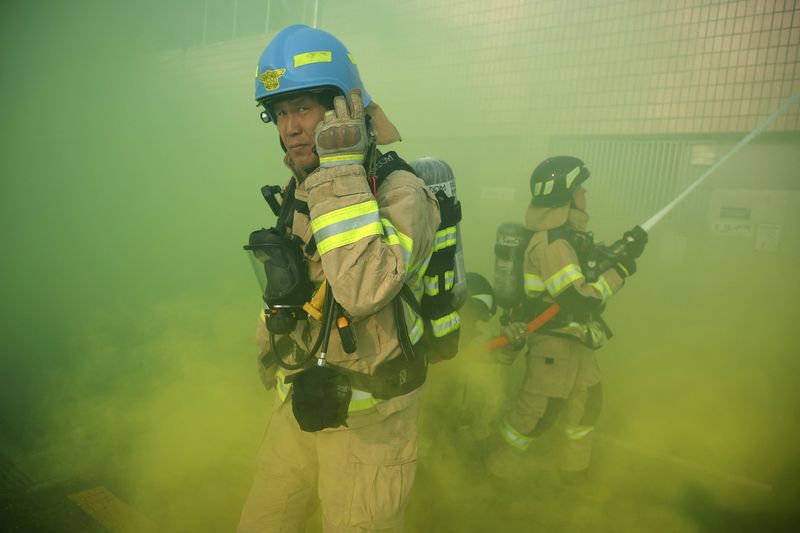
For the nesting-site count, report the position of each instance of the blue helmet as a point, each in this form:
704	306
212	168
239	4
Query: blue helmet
302	58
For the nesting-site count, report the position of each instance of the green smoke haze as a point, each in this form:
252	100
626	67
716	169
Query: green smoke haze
131	158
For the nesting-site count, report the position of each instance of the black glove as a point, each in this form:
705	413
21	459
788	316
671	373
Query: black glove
625	267
635	240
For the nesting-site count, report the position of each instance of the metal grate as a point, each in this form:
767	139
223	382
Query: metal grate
632	178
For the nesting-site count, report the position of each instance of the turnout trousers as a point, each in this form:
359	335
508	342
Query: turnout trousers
562	388
361	474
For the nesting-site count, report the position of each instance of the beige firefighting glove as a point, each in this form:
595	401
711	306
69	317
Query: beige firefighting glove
342	137
517	334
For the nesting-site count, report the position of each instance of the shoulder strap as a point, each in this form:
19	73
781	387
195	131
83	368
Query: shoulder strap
287	207
561	232
385	165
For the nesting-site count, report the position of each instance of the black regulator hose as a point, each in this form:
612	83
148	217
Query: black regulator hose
324	333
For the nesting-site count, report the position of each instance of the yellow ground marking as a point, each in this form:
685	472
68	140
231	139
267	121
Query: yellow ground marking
111	512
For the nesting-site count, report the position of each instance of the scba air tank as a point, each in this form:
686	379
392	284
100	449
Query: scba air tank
509	252
438	176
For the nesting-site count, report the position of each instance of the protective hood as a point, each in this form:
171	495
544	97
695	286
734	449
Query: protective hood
539	218
385	131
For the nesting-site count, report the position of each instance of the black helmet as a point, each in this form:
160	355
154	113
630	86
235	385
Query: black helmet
480	291
554	180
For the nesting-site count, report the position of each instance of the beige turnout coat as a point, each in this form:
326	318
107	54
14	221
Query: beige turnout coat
367	248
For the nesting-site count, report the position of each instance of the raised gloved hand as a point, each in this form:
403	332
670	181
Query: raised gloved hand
342	137
517	333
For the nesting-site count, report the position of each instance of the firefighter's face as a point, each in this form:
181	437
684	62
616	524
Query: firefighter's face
296	120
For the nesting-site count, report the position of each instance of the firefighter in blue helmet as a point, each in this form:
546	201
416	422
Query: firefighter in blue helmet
343	431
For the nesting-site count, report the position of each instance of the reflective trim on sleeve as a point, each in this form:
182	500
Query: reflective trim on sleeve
576	432
513	437
415	332
341	159
562	279
533	285
602	287
346	225
414	275
446	324
397	237
444	238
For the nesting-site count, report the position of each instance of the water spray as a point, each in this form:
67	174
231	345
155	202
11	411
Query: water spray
643	229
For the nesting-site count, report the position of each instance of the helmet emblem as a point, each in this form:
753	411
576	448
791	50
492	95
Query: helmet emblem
270	78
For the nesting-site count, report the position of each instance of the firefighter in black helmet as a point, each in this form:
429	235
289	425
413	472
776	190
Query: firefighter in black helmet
562	265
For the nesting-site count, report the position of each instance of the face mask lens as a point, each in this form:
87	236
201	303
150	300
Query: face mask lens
265	117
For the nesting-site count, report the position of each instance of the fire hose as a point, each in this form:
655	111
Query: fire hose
549	313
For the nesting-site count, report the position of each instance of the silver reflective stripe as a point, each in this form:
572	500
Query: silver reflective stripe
361	400
576	432
346	225
444	238
415	273
563	278
601	285
446	324
533	284
513	437
281	386
431	285
395	237
449	279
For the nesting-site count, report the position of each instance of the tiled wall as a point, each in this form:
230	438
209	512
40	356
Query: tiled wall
570	67
630	66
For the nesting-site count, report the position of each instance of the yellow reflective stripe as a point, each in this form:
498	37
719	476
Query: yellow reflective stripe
397	237
576	432
417	327
361	400
342	158
444	238
346	225
281	386
533	285
563	278
351	58
449	279
349	218
444	325
349	237
344	213
418	270
602	287
513	437
322	56
431	285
